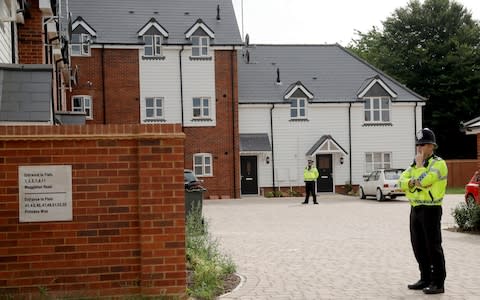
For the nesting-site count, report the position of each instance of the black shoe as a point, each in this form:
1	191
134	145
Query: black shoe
419	285
434	289
315	202
304	202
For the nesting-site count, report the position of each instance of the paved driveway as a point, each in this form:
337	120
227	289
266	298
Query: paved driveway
343	248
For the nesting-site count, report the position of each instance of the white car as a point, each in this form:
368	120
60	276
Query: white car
382	183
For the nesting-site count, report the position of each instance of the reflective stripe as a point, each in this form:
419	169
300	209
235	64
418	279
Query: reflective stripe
426	202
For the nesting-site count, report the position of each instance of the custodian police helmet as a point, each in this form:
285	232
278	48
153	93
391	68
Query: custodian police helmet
425	136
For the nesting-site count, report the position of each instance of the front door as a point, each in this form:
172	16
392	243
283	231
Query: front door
325	178
248	172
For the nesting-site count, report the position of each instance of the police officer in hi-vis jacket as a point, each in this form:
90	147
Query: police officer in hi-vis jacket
424	183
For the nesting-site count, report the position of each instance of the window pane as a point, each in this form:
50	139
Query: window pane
149	102
386	157
294	103
367	116
385	115
76	38
385	103
159	112
195	52
196	102
376	103
377	156
293	113
159	102
149	113
376	115
204	51
206	113
302	112
368	157
205	102
207	160
367	104
198	170
207	170
195	41
198	160
196	112
302	103
148	51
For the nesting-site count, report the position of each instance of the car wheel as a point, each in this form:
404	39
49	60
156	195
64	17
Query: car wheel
470	199
362	194
379	195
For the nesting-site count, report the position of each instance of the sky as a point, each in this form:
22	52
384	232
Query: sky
317	21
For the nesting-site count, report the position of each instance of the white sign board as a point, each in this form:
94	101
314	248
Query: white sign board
45	193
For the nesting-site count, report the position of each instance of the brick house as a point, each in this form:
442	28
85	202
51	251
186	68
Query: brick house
169	62
473	127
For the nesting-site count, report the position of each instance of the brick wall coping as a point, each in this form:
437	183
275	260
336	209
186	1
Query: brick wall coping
91	132
29	67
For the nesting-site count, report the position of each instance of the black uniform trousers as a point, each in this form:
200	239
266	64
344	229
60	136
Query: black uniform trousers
426	238
310	190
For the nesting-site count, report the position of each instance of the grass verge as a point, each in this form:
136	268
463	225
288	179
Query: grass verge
208	266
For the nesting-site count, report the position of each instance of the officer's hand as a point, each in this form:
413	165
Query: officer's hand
411	183
419	158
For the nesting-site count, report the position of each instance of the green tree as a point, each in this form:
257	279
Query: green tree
434	49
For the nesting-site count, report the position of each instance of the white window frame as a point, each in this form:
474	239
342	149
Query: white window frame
203	164
156	46
158	110
376	109
86	105
377	160
202	108
201	46
82	48
297	108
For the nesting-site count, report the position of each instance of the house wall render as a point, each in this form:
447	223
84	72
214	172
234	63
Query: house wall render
127	236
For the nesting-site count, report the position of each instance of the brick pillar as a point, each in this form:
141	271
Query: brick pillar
161	216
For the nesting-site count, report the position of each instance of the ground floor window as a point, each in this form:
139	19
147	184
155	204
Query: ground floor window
202	164
83	104
377	160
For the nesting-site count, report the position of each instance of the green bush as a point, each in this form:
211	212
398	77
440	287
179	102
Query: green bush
209	266
467	216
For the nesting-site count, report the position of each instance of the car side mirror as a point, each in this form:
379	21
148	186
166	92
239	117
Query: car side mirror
365	177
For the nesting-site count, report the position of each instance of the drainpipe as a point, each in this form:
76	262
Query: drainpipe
181	83
12	32
415	119
273	152
350	139
103	86
234	169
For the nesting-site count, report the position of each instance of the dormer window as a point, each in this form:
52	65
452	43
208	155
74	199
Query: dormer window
154	36
82	36
200	35
200	46
81	44
377	110
377	97
153	45
298	108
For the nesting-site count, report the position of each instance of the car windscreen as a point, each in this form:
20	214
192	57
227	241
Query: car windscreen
393	174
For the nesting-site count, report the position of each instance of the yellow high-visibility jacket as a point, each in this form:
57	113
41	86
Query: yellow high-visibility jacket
432	177
310	175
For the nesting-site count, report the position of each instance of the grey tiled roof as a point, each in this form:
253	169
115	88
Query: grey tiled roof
330	72
118	21
254	142
472	124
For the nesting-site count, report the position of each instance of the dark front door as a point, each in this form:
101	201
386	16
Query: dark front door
248	170
325	178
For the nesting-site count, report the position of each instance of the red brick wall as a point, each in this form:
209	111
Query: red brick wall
30	37
221	141
127	236
113	75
